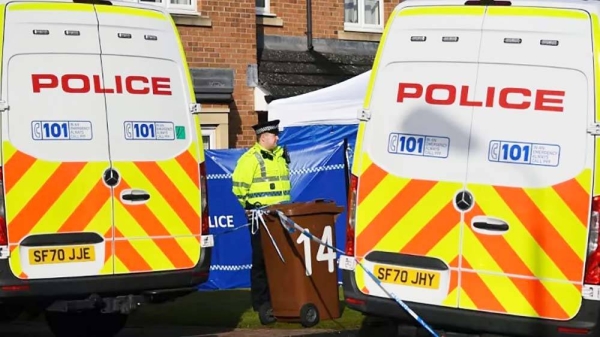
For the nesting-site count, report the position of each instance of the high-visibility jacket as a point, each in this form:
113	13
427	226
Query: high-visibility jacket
261	176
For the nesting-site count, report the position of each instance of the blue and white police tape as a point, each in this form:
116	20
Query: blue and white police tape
257	218
291	226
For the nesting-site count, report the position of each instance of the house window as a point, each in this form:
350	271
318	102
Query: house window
363	15
181	6
262	6
209	138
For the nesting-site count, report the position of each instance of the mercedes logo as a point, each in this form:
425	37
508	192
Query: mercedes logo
463	201
111	177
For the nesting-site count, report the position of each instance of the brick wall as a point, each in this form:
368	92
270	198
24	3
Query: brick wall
229	43
327	17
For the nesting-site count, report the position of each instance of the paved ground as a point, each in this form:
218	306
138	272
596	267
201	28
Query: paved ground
38	329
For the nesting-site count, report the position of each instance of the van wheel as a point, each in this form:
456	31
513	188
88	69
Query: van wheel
87	323
9	312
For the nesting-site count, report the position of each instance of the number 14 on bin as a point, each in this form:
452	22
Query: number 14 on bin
324	253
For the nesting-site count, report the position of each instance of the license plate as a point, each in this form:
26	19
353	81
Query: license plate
408	277
67	254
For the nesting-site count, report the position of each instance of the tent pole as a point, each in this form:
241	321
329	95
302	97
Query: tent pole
309	42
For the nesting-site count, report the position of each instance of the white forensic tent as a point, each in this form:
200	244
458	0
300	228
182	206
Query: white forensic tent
328	114
334	105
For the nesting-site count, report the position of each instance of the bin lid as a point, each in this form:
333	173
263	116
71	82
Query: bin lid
318	206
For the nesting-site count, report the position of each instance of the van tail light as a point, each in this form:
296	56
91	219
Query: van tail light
592	268
351	223
204	199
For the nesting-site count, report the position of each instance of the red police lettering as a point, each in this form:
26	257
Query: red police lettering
80	84
507	98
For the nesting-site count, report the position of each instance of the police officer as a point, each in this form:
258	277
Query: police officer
261	178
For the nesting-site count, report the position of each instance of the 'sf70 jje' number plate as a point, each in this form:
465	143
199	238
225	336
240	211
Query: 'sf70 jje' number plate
408	277
67	254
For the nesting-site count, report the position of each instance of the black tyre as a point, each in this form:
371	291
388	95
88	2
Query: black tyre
265	314
9	312
87	323
309	315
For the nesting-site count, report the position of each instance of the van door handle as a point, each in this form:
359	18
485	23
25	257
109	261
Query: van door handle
134	197
489	225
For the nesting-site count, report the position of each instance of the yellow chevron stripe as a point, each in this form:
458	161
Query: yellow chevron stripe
447	248
191	246
378	199
567	295
357	163
102	221
451	299
518	237
507	293
73	195
465	301
8	150
364	164
147	248
479	258
157	204
560	216
197	148
585	180
120	267
182	181
29	184
418	216
107	269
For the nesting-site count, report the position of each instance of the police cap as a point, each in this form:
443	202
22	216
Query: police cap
270	126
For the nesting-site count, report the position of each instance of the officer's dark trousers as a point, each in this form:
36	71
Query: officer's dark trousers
259	286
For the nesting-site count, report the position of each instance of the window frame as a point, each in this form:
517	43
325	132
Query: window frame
266	10
360	26
211	133
175	8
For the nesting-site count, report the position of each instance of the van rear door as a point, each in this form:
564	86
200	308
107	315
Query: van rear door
54	142
153	143
530	161
415	149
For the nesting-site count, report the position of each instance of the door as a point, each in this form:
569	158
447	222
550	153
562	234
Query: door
415	161
525	237
153	145
54	143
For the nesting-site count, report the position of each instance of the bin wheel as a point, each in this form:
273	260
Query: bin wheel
309	315
265	314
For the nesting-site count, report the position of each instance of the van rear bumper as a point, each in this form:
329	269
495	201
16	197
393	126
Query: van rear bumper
110	285
466	321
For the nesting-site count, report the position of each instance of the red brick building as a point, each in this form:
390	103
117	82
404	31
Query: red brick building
245	53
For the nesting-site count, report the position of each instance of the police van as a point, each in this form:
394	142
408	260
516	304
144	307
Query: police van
475	195
104	183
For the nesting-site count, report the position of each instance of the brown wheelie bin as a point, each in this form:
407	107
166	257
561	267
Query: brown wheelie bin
303	288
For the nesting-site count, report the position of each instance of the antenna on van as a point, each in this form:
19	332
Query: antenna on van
488	3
